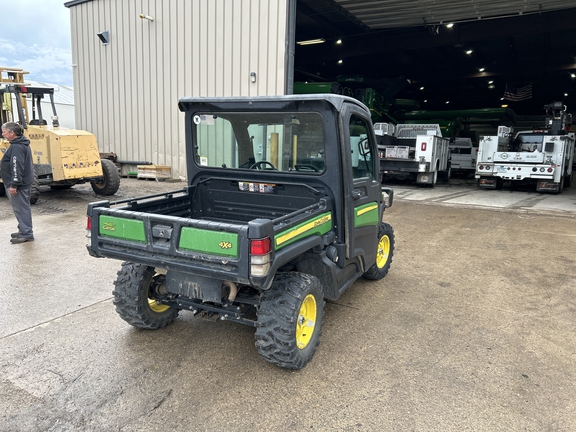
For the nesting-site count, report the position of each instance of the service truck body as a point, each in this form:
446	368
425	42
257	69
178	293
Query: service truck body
463	155
419	153
541	157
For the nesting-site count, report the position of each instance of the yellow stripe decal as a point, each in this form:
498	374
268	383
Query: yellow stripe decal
302	229
367	209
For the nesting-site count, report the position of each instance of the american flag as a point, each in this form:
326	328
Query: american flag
518	93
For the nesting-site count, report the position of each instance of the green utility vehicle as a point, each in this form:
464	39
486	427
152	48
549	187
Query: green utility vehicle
283	209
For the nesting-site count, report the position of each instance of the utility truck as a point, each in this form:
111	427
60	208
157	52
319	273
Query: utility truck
62	157
463	156
283	209
417	152
543	158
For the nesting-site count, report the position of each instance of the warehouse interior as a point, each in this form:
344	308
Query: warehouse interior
443	55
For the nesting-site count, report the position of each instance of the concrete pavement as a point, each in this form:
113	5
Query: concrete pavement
472	329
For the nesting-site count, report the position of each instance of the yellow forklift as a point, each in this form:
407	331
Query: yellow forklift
62	157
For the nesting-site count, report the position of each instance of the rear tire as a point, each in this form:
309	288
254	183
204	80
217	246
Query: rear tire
568	180
434	179
290	318
35	191
137	289
384	253
447	174
109	183
499	183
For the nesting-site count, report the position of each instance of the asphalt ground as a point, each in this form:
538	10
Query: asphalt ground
473	329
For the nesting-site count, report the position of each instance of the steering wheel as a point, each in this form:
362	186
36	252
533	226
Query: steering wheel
306	167
259	165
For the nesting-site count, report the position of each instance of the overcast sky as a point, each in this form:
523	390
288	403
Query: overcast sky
35	36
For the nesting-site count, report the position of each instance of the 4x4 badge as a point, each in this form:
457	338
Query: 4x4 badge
109	226
225	245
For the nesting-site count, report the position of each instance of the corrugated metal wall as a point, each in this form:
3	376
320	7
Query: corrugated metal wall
127	92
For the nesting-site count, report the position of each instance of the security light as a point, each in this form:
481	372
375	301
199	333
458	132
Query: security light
104	37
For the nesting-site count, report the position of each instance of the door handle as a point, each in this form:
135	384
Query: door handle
356	194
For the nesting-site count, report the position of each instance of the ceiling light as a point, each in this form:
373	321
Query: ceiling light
565	94
469	52
450	25
339	41
504	105
421	88
481	69
490	82
339	61
573	76
425	100
447	102
311	42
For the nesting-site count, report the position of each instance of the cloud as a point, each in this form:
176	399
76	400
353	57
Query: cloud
36	37
30	22
45	63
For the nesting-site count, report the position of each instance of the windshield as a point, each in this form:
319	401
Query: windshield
290	142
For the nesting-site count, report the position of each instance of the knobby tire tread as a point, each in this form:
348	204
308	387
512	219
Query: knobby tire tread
131	298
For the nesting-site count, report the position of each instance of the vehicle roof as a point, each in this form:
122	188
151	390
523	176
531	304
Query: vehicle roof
337	101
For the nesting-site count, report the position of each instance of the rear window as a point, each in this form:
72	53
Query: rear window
289	142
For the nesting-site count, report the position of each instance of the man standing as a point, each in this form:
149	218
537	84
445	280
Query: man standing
17	171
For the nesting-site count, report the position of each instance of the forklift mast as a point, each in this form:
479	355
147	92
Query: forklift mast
12	83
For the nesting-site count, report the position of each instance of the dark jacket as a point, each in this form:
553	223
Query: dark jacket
16	166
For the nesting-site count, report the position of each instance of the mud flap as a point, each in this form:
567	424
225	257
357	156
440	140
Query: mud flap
487	183
547	186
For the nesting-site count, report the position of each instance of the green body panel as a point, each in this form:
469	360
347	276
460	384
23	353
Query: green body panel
127	229
317	226
366	215
209	242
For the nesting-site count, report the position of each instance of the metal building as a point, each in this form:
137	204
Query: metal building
133	60
63	100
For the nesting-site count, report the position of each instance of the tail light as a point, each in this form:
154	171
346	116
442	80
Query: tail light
89	227
423	146
260	250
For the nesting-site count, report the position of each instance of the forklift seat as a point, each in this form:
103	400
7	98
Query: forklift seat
38	122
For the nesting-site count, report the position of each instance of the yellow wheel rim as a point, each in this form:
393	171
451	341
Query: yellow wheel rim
156	307
306	321
383	251
153	304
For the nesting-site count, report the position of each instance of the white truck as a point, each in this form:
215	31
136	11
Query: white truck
541	157
417	152
463	156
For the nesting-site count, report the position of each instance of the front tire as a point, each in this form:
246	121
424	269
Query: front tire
384	253
290	318
109	183
137	291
